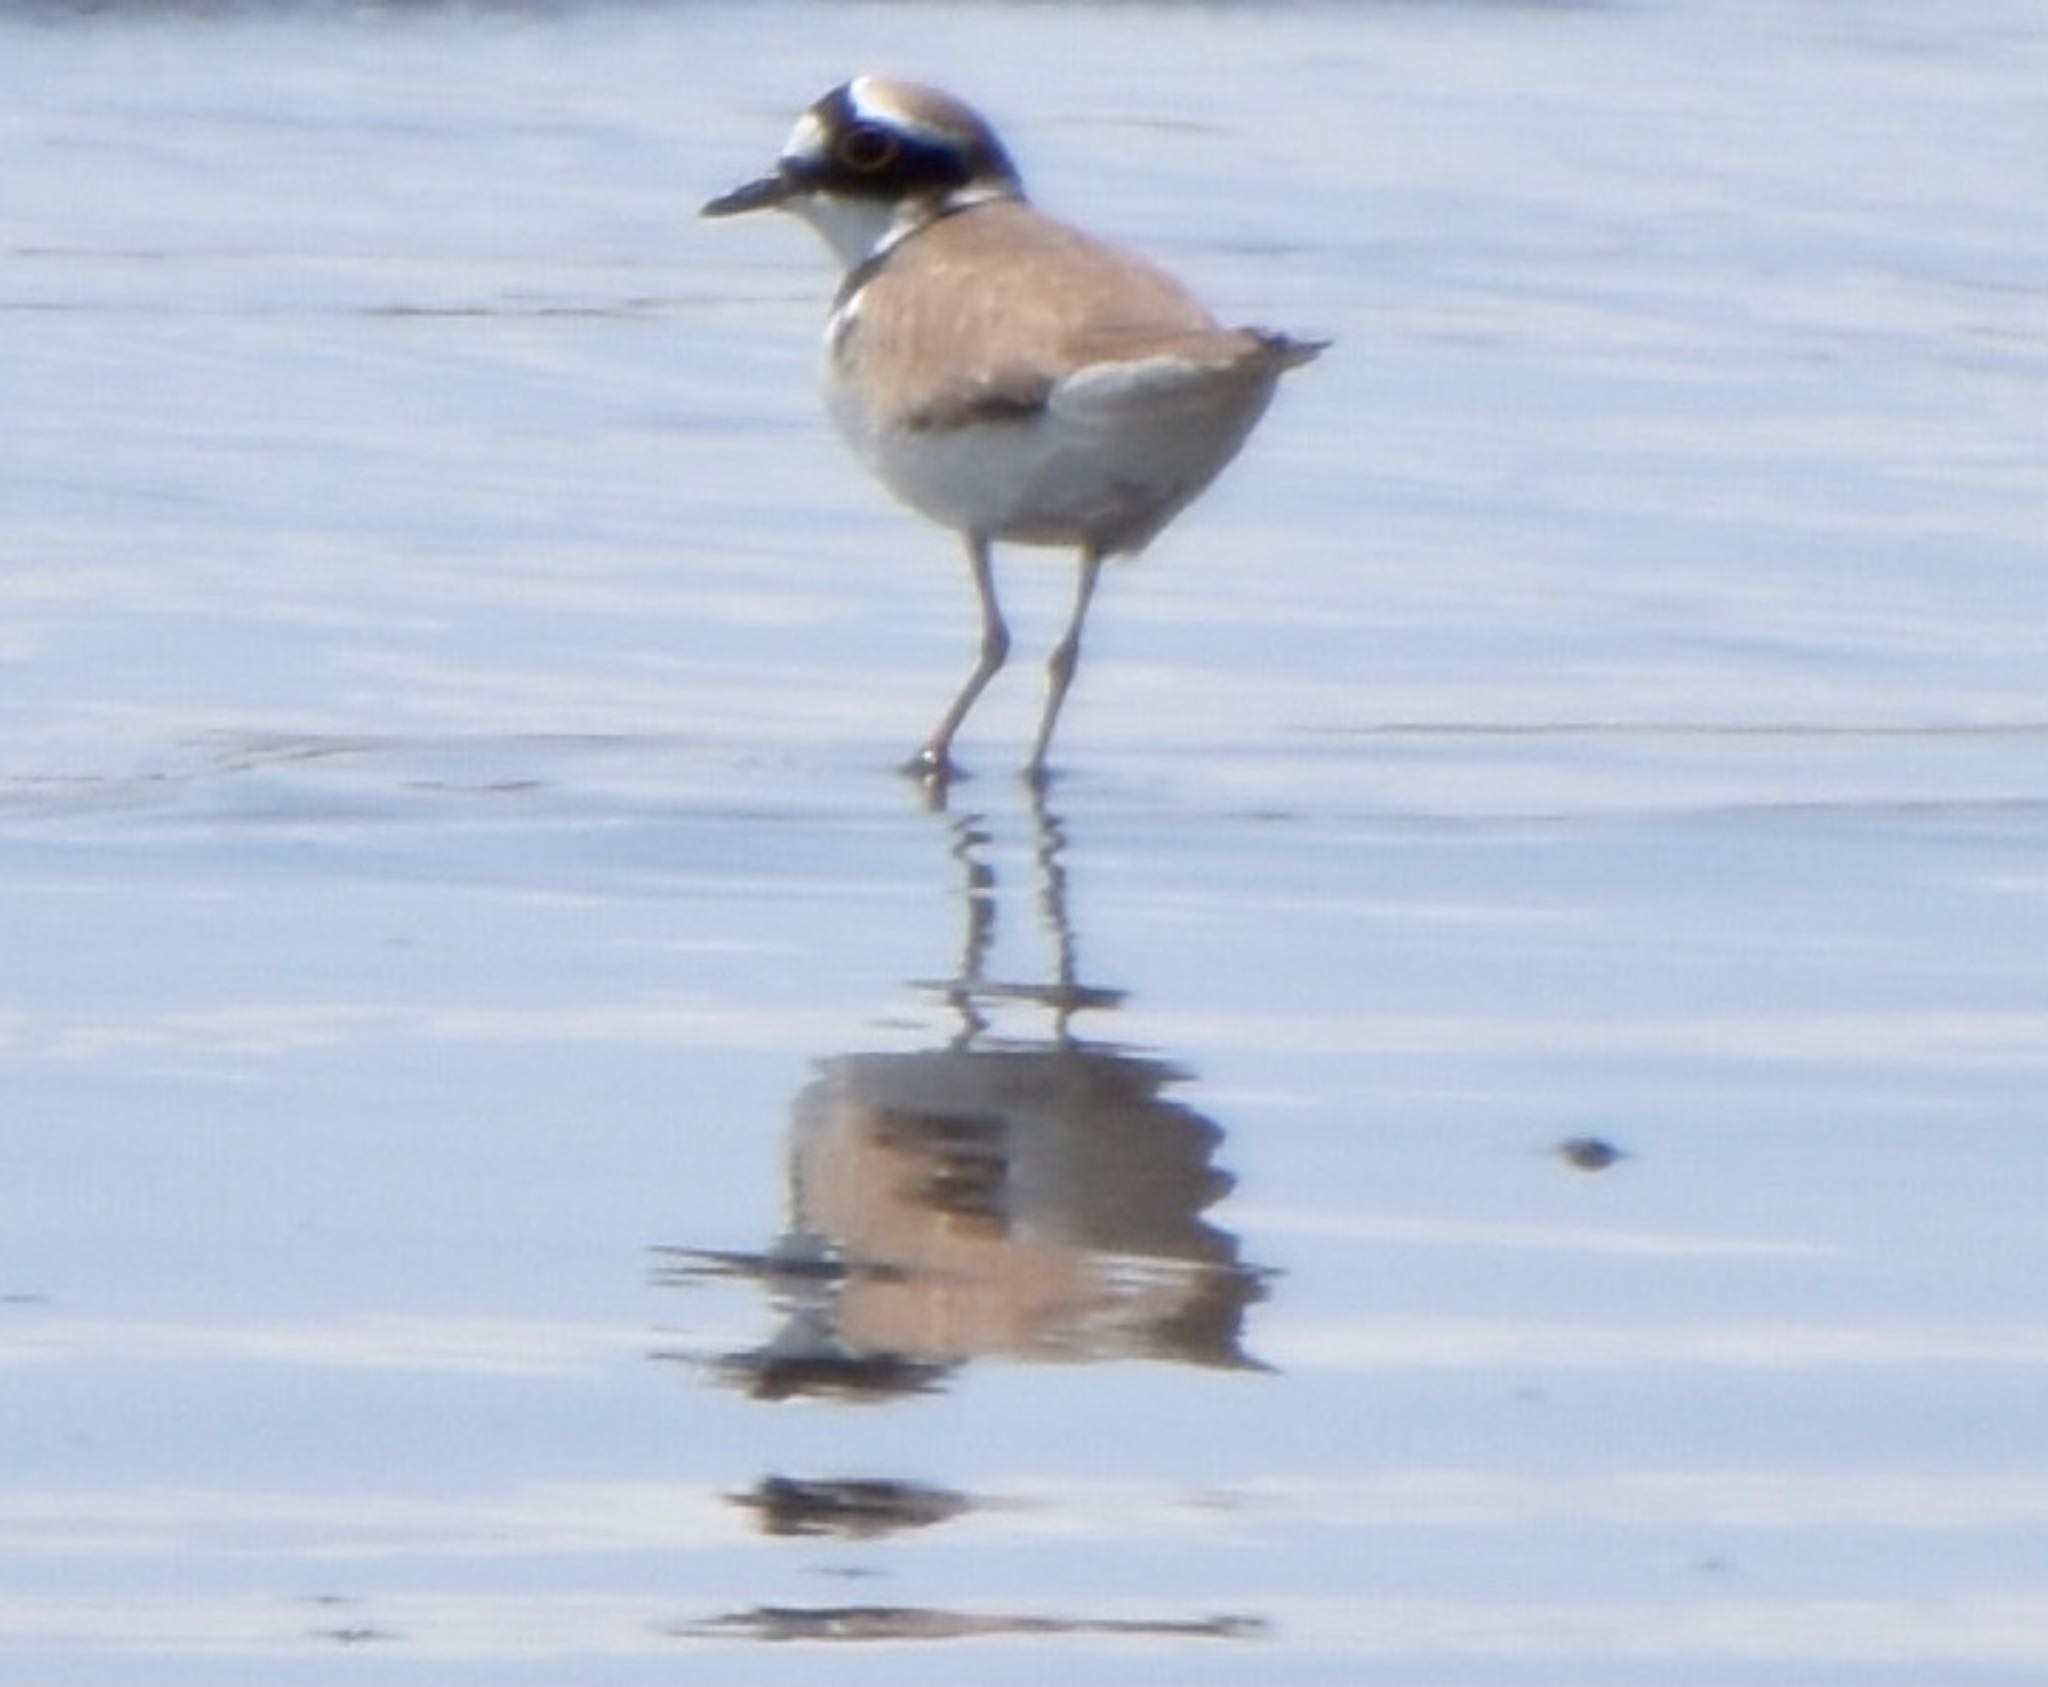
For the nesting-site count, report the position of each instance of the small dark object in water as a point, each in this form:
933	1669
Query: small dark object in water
1589	1153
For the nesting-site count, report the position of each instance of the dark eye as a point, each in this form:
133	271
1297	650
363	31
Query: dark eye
867	148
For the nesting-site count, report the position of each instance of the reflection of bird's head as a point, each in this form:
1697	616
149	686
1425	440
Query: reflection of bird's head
806	1359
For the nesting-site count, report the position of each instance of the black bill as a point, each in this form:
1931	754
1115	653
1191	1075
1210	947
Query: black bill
762	195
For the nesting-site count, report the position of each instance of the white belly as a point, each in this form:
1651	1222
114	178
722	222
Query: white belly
1116	454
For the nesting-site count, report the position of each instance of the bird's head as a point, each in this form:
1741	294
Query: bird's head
874	160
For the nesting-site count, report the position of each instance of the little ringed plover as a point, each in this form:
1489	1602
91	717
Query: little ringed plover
1005	375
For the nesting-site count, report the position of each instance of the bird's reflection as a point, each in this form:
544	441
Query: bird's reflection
1026	1192
851	1508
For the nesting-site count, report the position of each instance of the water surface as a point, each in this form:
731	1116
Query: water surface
1488	1128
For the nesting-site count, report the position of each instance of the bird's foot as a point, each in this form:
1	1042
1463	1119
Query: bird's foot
1038	778
933	768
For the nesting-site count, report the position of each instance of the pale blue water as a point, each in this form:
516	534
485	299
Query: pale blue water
478	1014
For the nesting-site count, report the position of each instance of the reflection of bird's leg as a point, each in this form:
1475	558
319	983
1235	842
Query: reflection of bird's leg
935	760
978	907
1066	656
1052	909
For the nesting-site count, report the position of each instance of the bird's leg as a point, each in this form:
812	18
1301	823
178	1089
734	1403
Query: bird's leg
935	760
1059	669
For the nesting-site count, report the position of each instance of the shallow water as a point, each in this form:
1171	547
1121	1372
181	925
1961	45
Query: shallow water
533	1156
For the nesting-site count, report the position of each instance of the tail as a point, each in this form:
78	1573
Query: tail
1286	351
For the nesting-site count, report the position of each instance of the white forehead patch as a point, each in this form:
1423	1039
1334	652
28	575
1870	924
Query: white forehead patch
807	139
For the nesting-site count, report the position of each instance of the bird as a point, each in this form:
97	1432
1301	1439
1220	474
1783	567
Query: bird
1006	375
